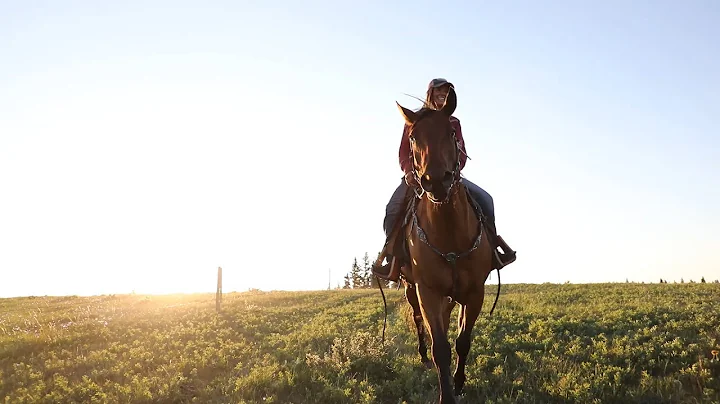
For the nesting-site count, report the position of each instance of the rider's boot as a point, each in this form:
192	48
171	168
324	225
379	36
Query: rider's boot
389	271
508	255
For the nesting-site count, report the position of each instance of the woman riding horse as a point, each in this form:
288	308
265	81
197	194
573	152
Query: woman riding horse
435	98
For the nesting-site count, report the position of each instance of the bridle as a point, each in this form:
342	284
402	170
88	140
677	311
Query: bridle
419	190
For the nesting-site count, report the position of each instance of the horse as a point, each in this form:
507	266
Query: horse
450	255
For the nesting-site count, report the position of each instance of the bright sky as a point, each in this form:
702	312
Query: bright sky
141	147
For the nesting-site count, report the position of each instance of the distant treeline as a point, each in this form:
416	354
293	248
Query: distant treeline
702	280
360	276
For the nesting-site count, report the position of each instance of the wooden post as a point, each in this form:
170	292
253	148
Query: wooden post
218	294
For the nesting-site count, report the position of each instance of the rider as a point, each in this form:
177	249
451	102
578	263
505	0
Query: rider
435	99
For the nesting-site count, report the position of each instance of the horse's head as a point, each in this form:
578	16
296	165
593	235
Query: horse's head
434	148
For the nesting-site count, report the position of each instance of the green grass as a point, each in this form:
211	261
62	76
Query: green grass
604	343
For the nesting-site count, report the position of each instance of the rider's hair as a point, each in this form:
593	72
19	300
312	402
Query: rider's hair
429	103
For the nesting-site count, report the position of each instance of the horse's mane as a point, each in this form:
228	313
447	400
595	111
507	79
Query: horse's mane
423	112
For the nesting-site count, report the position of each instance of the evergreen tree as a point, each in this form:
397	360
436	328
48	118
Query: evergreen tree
356	275
347	284
702	280
367	272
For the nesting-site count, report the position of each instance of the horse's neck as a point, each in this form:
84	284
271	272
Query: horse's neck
455	217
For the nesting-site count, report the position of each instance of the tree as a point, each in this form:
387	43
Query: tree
702	280
347	284
356	275
367	272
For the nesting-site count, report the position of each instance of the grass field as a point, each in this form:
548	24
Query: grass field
603	343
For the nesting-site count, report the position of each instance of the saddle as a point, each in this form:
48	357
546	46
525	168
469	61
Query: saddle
396	243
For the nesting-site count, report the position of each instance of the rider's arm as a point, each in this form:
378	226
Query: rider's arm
404	154
455	123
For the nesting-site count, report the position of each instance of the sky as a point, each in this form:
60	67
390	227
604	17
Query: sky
145	144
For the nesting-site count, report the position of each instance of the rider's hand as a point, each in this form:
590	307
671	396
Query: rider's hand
410	179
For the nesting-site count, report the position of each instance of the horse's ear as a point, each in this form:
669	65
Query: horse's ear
409	115
450	102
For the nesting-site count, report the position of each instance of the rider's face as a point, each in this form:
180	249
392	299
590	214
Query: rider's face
439	95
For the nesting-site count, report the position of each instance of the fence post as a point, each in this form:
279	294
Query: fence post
218	294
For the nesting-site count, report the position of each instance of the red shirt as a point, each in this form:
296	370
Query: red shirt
406	164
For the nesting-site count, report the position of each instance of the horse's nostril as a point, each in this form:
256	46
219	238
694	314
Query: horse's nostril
426	182
447	178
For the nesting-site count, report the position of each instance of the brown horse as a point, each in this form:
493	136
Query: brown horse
449	253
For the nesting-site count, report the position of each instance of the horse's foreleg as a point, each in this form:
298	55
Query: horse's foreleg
412	298
466	321
449	306
434	309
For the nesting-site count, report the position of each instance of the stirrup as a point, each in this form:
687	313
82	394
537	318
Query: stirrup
508	255
502	260
389	271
